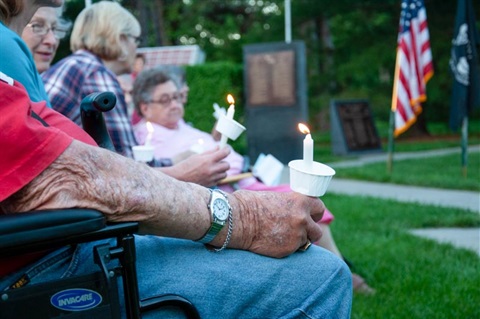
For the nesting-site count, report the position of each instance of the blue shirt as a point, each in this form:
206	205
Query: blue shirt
16	61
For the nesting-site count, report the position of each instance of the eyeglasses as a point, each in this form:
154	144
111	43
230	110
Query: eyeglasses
166	100
137	40
42	30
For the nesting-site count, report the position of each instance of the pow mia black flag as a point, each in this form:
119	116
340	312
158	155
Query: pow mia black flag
464	64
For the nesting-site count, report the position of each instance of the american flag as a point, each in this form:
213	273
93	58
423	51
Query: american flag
413	67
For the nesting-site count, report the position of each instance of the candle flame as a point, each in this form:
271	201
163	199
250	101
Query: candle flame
149	127
303	128
230	99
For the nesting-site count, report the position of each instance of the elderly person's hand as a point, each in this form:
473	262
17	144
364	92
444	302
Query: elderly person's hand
273	224
205	169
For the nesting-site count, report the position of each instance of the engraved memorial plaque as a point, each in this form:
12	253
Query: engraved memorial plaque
275	98
271	79
353	128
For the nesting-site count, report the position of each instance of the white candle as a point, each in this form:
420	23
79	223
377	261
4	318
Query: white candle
308	150
231	101
231	111
230	114
307	145
150	133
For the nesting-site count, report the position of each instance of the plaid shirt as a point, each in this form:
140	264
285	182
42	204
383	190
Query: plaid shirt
76	76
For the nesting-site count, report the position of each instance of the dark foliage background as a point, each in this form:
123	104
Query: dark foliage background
350	44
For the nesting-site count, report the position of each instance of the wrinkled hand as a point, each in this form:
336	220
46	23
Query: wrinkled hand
275	224
206	169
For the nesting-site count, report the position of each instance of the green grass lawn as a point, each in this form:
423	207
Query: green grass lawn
414	277
439	172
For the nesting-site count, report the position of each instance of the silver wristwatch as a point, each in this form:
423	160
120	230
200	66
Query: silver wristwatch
220	210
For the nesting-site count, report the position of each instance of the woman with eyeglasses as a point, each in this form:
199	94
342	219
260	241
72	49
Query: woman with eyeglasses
43	34
15	57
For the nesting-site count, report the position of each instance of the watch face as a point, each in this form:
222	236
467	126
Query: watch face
220	207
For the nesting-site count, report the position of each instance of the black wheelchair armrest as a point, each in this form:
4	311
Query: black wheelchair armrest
22	232
49	229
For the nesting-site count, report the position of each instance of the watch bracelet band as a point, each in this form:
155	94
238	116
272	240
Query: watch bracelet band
209	236
229	233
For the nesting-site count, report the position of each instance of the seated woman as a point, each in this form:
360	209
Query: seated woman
159	99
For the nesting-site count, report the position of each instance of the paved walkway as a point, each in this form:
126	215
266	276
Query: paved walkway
468	238
465	238
432	196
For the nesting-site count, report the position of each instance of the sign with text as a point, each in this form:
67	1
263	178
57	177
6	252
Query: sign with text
271	78
275	98
352	127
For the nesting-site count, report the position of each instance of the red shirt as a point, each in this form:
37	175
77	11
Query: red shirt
27	147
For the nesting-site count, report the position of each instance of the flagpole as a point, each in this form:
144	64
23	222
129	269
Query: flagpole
288	22
464	145
391	141
391	123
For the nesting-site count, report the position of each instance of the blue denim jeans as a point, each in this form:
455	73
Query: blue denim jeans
229	284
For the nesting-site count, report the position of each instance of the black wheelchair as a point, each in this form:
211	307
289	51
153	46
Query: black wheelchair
94	295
